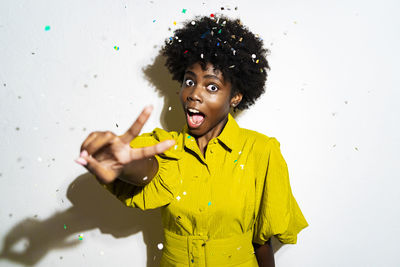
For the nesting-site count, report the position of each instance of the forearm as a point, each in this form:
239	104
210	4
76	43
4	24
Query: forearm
140	172
264	254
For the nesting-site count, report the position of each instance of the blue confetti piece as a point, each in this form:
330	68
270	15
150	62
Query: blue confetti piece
235	161
209	203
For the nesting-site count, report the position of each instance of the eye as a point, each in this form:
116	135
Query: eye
189	82
212	88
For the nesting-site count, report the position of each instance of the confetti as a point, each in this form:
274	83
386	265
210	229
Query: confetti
160	246
116	125
257	61
220	30
241	166
241	38
212	15
185	52
209	203
184	193
174	22
176	147
231	67
240	152
239	248
169	108
193	22
235	161
154	20
65	227
253	56
80	237
202	56
47	28
188	136
178	198
145	178
184	11
116	48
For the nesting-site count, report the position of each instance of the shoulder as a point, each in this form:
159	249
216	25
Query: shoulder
153	137
258	138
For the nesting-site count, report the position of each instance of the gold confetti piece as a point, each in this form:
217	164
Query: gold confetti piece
257	61
241	38
174	22
233	36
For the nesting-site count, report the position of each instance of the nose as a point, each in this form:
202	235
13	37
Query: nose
195	94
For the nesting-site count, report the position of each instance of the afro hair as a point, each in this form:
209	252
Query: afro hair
228	45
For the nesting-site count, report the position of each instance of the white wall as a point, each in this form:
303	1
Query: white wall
331	102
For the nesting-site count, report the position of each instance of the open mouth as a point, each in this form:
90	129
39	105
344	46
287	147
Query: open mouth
194	118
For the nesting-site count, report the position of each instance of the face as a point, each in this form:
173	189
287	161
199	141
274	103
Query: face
206	99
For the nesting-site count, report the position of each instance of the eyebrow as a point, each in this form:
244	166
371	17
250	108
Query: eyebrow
205	76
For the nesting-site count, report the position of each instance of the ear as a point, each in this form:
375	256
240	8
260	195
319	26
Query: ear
235	100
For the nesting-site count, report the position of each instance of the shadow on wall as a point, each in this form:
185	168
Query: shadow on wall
101	210
113	217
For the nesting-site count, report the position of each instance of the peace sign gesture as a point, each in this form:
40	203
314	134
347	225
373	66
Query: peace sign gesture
105	154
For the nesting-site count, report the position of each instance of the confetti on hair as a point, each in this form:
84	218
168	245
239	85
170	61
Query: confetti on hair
231	67
185	51
241	38
253	56
160	246
193	22
145	178
184	11
220	30
47	28
217	43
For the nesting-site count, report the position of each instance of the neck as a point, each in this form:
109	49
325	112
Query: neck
202	141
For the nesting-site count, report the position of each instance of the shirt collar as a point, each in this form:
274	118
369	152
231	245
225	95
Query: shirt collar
229	136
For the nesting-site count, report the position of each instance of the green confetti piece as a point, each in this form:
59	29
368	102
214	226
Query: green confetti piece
235	161
189	136
65	227
47	28
220	30
184	11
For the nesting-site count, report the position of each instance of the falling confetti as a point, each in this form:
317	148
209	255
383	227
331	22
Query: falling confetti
240	152
80	237
184	11
178	198
65	227
47	28
184	193
188	136
154	20
241	166
144	178
174	22
169	108
116	48
193	22
209	203
175	147
160	246
235	161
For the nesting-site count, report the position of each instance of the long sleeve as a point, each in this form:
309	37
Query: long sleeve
279	214
162	189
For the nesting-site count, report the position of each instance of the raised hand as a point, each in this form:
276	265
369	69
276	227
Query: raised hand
105	154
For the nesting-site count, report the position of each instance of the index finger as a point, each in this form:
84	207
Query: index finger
137	126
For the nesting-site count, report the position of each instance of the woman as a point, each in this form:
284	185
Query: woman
224	190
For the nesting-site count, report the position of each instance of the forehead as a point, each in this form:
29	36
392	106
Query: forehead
205	68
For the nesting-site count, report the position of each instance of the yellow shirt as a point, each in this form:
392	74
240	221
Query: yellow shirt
241	185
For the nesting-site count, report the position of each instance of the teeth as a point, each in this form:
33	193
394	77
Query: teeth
193	110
